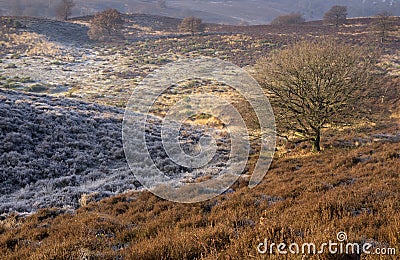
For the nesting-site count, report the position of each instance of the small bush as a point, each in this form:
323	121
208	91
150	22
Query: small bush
14	23
17	24
191	24
37	88
10	85
106	26
293	18
11	66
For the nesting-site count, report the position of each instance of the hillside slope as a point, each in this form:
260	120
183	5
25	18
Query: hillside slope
68	154
303	198
54	150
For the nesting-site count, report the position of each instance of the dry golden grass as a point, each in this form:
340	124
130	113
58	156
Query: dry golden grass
31	44
302	199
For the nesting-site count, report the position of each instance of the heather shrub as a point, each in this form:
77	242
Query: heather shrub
288	19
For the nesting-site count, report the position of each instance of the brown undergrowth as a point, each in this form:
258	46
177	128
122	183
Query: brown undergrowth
308	198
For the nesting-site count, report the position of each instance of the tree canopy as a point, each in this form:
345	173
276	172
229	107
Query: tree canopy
293	18
337	15
64	9
191	24
314	85
106	25
383	24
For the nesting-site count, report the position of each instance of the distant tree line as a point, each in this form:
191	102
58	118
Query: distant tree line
336	16
61	9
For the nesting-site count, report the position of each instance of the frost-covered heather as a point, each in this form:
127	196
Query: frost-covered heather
53	150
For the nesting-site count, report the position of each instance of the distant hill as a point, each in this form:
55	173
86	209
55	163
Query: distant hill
263	11
227	12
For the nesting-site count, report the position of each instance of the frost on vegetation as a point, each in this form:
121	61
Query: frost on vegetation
54	150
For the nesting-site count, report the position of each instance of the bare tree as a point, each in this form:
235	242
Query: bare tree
64	9
337	15
191	24
106	25
293	18
314	85
383	23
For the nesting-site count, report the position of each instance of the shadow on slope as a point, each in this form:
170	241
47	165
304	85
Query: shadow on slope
59	31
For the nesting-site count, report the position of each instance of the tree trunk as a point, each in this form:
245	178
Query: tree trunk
337	22
316	143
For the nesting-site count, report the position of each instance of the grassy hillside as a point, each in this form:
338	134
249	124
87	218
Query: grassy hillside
65	189
303	198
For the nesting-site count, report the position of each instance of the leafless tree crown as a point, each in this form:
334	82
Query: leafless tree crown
191	24
337	15
383	24
106	25
64	9
313	85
